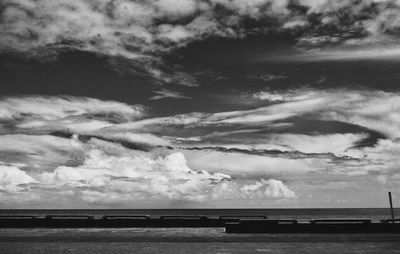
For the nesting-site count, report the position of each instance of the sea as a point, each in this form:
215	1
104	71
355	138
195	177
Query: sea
197	240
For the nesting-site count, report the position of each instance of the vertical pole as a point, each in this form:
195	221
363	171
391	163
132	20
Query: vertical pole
391	205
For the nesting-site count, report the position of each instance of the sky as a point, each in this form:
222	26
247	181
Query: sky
199	103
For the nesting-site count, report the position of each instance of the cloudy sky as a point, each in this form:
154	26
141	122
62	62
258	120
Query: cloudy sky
199	103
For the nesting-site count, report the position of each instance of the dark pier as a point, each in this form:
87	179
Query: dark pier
330	226
119	221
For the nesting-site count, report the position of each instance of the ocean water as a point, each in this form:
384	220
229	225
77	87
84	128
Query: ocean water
197	240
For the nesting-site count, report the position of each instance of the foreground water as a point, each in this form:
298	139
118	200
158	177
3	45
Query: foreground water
197	240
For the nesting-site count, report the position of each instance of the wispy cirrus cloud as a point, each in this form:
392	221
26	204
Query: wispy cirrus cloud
46	114
375	110
370	109
57	107
164	93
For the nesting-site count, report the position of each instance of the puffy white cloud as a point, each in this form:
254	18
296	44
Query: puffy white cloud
11	177
140	177
270	188
262	190
109	179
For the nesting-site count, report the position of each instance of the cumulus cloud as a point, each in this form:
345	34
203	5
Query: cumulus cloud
140	177
109	179
136	28
11	177
272	188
